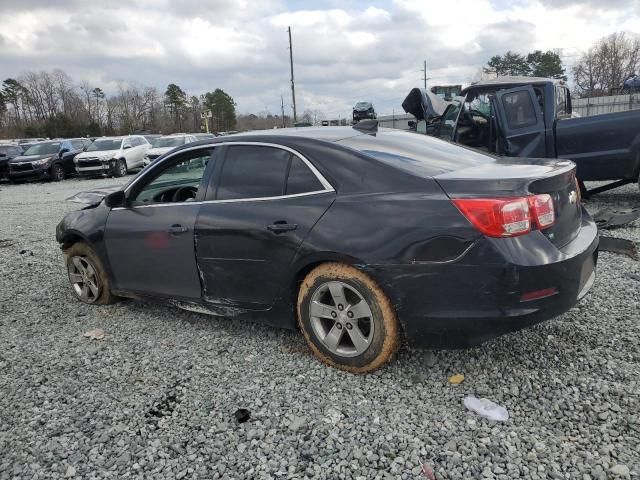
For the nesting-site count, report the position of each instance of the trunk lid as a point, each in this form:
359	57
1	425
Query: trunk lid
512	177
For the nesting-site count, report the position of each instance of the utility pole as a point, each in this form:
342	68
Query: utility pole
293	88
424	71
282	109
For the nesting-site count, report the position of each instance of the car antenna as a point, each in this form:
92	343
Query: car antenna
367	126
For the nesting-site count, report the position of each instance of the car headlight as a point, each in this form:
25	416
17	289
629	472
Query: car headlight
42	161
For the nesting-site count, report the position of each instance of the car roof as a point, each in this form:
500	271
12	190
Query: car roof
510	80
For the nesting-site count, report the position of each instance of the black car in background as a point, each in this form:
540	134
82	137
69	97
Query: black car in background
52	160
7	152
353	237
363	110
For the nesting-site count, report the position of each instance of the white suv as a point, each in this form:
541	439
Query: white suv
112	155
162	145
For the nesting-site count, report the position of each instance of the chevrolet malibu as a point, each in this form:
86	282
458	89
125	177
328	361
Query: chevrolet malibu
361	238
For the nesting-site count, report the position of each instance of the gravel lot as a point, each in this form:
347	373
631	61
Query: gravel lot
156	397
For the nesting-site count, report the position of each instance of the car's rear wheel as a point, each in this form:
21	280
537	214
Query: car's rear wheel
120	168
347	319
57	172
89	281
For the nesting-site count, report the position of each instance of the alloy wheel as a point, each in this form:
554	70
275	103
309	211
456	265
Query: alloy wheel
84	279
57	173
341	319
122	166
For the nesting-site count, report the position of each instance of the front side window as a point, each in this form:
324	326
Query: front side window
448	125
519	109
253	172
179	182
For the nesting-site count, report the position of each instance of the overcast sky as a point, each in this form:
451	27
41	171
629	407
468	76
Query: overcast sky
344	51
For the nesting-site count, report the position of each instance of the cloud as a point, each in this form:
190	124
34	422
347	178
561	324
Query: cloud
343	52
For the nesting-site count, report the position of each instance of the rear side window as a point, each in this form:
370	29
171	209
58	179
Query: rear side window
78	144
253	172
301	179
519	109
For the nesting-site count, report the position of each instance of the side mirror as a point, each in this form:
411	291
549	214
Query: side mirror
116	199
63	152
126	146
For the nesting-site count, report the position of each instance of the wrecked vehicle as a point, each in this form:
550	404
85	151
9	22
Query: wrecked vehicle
363	111
115	156
532	117
353	234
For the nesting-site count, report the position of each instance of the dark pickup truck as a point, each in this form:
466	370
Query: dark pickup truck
531	117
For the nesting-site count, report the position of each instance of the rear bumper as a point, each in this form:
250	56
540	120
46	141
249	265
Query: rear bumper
479	296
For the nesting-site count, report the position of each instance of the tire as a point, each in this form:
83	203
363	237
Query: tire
120	168
357	344
57	172
88	279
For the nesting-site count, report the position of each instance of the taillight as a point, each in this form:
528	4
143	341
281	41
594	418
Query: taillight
542	209
508	217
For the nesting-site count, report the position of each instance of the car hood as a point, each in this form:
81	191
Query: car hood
97	153
93	197
424	104
29	158
159	150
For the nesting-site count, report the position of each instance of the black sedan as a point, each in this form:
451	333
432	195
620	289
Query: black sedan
359	239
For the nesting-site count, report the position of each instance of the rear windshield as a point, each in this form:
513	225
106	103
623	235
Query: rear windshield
416	153
43	149
105	144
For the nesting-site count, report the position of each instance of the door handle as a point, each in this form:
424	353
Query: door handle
281	226
176	229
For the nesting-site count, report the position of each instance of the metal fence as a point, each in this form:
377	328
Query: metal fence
587	107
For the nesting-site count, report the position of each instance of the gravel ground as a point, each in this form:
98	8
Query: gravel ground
156	397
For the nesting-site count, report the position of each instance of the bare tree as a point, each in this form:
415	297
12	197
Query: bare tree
606	65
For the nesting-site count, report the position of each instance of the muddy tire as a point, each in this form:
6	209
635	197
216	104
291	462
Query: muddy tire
57	172
347	319
88	279
119	168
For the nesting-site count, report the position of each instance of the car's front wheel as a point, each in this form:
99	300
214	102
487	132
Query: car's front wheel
120	168
57	172
88	278
347	319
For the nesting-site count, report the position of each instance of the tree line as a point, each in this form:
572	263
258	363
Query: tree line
50	104
601	70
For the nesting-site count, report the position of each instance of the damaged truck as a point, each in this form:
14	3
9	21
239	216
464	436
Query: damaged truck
532	117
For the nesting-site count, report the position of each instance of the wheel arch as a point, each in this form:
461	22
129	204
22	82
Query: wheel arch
71	237
304	266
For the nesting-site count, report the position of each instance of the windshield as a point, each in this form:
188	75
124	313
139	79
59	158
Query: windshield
362	105
43	149
105	144
4	149
168	142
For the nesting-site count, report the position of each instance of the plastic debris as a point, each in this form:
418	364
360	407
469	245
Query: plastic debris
619	245
95	334
486	408
242	415
456	379
607	218
427	471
